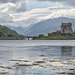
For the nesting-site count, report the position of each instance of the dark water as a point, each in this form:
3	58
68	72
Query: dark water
23	57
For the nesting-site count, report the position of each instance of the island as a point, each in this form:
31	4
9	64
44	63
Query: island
66	33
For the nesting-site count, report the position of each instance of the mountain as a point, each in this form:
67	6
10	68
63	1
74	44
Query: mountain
48	26
19	29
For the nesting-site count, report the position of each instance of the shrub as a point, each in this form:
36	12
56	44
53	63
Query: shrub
41	35
11	35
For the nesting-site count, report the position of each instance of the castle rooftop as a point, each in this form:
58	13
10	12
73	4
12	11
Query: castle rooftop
66	23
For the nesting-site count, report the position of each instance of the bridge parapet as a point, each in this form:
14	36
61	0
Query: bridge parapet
29	37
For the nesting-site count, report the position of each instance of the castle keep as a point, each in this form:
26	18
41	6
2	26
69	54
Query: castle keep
66	28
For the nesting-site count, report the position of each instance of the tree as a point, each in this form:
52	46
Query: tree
1	33
41	35
11	35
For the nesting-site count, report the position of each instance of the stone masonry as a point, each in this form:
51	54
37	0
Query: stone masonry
66	28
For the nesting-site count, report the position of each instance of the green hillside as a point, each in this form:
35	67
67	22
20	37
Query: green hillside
7	32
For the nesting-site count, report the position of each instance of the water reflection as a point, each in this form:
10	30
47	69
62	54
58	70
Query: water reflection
31	52
66	50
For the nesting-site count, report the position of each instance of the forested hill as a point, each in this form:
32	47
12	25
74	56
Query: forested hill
7	32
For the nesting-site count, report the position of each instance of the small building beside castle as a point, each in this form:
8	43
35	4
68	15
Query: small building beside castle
66	28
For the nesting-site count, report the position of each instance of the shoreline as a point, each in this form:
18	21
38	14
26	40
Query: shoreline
11	38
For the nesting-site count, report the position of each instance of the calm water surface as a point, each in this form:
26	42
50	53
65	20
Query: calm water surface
44	57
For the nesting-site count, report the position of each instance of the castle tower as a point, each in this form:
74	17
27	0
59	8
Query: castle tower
66	28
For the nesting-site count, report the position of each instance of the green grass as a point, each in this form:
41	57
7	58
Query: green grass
52	38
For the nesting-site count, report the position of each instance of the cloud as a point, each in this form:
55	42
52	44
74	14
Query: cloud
40	14
46	13
12	1
18	7
65	2
36	15
15	6
5	18
12	12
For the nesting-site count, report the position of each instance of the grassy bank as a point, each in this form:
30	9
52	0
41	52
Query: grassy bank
53	38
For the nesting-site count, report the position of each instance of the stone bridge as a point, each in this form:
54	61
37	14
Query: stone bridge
29	37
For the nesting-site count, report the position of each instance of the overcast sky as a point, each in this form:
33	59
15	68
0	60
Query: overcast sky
28	12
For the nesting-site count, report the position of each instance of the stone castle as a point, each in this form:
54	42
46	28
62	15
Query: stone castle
66	28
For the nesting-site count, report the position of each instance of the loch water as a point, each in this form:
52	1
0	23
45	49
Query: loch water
37	57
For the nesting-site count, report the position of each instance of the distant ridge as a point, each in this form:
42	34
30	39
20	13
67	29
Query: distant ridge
47	26
19	29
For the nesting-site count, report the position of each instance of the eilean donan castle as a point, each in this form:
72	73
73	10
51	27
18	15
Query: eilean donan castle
66	28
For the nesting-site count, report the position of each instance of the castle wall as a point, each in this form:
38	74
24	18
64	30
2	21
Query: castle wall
66	28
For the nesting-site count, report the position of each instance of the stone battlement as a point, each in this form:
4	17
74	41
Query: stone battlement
66	24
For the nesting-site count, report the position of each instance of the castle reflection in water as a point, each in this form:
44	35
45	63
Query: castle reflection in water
66	50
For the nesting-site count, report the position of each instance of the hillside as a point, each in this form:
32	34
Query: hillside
5	32
48	26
